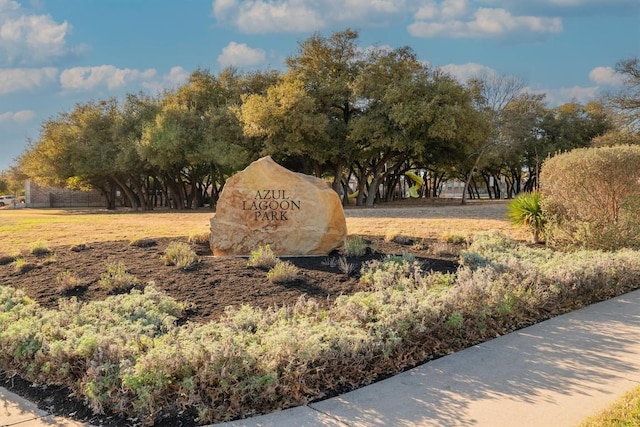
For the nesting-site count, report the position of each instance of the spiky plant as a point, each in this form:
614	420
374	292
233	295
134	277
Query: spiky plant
525	211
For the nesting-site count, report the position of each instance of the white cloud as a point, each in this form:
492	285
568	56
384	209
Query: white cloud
606	76
25	79
30	38
175	77
241	55
20	117
266	17
484	23
563	95
88	78
464	72
281	16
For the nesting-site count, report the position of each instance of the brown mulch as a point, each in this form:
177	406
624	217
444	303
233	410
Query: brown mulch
214	284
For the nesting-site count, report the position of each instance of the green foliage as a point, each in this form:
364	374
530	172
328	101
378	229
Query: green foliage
397	237
355	246
127	353
525	211
199	238
181	255
142	242
263	258
591	198
624	412
345	266
116	278
39	249
21	265
283	272
453	238
67	281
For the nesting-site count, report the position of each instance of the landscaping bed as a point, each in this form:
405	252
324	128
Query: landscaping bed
161	358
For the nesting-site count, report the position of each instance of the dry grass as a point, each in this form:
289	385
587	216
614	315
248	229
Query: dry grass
20	227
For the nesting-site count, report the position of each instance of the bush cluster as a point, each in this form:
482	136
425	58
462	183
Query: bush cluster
128	354
592	198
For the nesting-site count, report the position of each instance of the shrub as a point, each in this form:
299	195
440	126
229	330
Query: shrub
453	238
6	259
263	257
396	237
128	353
355	246
525	211
50	259
592	197
283	272
142	242
117	279
21	265
443	249
181	255
79	247
346	267
199	238
40	249
67	281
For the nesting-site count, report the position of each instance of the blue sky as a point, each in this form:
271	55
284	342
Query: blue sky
56	53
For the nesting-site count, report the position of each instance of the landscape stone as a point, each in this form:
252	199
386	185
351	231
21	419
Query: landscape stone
294	213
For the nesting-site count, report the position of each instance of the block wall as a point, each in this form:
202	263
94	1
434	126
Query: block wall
37	196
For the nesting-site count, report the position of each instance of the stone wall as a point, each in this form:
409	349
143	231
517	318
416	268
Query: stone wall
37	196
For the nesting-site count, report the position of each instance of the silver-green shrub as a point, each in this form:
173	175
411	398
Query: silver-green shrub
592	198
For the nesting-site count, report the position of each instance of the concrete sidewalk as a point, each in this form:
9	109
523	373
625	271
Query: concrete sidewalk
553	374
19	412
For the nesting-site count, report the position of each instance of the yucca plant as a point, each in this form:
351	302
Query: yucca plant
525	211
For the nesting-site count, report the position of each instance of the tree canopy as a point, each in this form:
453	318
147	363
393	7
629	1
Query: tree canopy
361	118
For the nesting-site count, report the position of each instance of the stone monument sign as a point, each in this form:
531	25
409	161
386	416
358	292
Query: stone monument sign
295	214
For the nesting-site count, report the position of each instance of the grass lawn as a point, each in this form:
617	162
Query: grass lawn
625	412
20	228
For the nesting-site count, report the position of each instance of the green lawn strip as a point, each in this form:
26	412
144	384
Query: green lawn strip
624	412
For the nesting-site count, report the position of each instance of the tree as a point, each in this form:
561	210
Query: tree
288	119
493	93
627	101
328	68
77	149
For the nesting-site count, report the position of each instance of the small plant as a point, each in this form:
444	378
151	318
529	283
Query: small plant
67	281
199	238
453	238
355	246
117	279
396	237
331	262
282	272
181	255
406	256
525	211
346	267
444	249
51	259
142	242
79	247
6	259
420	245
263	257
21	265
40	249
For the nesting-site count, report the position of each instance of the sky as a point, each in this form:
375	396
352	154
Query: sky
55	54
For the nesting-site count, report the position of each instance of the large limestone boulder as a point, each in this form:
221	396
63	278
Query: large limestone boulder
295	214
